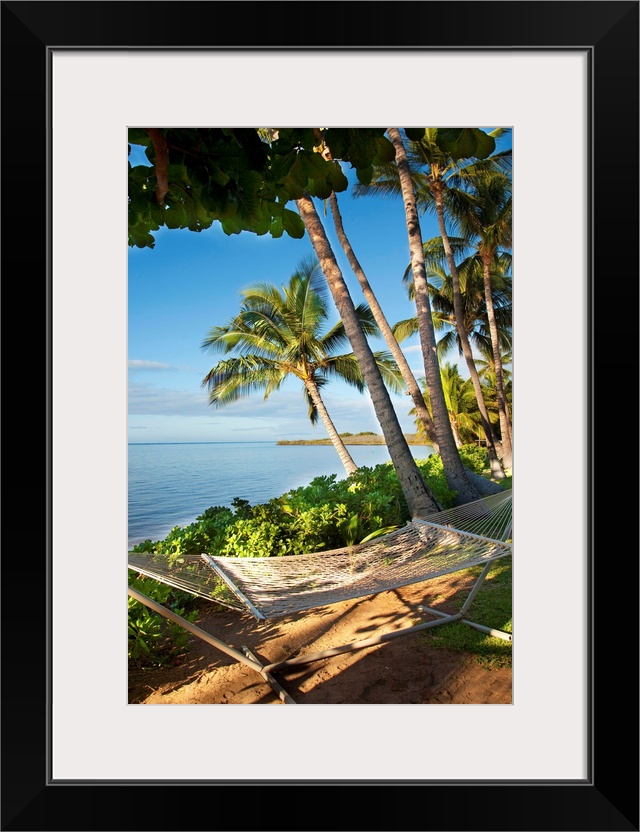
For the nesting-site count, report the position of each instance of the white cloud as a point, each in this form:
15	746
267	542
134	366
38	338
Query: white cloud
282	415
147	400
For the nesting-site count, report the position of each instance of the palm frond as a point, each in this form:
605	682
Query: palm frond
448	342
235	378
344	367
236	337
405	329
389	371
333	340
312	410
336	337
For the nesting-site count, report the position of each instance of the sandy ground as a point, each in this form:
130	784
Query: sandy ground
407	670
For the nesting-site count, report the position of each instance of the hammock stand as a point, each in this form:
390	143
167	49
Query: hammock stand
448	541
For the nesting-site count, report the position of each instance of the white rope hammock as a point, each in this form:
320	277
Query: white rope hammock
189	573
425	548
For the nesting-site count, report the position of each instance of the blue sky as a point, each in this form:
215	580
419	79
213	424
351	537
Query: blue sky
191	281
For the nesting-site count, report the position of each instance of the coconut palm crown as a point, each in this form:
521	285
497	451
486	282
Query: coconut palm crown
470	272
279	333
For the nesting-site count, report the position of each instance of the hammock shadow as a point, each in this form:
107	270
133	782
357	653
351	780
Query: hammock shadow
409	671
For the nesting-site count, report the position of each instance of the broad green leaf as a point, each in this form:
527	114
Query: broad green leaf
314	166
262	223
139	174
297	173
217	175
281	194
293	224
230	207
250	181
296	180
191	215
156	212
140	238
464	142
139	200
364	175
138	135
336	178
175	216
384	151
213	199
231	225
337	139
305	138
284	145
178	173
277	227
378	533
320	188
281	165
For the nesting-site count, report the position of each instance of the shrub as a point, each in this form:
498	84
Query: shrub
206	534
474	457
432	471
325	514
152	639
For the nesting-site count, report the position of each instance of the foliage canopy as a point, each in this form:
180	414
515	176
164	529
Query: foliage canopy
244	177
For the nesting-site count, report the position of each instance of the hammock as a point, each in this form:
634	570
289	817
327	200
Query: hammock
268	588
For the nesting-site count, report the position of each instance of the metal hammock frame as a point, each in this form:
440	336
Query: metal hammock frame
453	540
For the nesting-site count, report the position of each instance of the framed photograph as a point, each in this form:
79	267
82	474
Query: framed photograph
564	77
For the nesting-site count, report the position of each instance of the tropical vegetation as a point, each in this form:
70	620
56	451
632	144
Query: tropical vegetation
246	179
474	195
269	181
327	513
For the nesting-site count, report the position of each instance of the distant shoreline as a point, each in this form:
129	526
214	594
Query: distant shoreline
357	439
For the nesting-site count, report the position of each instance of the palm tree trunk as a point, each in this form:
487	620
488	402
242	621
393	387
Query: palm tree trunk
496	470
387	333
455	471
503	409
416	493
456	433
336	439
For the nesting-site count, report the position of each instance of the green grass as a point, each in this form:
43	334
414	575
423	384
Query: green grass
491	607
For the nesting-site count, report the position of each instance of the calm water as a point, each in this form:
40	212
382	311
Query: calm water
172	484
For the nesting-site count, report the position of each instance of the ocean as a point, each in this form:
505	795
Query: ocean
172	484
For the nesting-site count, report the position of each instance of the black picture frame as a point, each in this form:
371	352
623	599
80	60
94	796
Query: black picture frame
608	799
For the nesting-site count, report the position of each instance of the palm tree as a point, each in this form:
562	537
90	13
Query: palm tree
488	217
418	496
438	162
486	368
463	408
461	404
420	500
431	188
455	471
476	322
277	335
413	389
